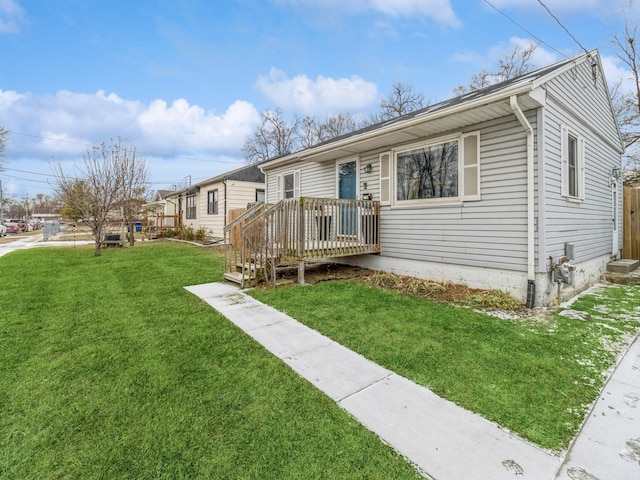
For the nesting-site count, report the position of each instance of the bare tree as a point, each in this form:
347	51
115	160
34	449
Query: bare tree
273	137
96	187
135	177
402	99
515	63
312	132
627	103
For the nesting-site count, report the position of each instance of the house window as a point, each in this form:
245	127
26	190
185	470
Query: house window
428	172
572	165
212	202
287	189
288	185
191	207
260	195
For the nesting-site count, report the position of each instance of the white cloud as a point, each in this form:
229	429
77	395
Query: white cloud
439	10
176	139
65	120
489	59
319	97
617	74
191	128
11	16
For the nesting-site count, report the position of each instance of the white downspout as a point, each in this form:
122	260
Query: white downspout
530	197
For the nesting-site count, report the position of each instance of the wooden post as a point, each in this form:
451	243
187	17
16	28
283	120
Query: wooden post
301	240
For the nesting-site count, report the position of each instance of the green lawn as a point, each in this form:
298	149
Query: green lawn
534	376
110	369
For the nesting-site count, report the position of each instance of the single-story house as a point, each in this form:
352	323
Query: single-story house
514	187
207	205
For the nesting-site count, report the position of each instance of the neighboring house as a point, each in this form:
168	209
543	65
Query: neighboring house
161	212
207	204
494	189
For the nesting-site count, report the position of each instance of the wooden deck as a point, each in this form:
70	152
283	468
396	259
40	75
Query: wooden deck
299	230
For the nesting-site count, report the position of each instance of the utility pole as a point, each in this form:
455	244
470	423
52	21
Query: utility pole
1	204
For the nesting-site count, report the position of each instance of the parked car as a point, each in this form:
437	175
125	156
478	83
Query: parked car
24	226
13	227
3	230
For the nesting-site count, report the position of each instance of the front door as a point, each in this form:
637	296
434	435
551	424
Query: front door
348	190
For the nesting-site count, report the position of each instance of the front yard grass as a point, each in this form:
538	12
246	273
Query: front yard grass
536	376
110	369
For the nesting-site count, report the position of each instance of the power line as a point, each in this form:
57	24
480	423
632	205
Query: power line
524	29
563	27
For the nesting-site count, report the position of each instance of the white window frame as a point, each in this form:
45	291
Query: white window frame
280	179
566	132
457	200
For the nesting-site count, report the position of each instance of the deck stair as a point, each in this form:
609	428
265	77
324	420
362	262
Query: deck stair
624	272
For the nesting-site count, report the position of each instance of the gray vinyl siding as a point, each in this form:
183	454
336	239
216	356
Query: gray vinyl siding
488	233
574	100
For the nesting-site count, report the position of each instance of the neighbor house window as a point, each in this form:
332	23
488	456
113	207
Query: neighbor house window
260	195
572	164
191	207
212	202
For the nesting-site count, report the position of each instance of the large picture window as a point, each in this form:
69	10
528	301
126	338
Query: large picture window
191	207
428	172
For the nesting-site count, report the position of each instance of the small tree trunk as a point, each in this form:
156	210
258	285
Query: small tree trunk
96	250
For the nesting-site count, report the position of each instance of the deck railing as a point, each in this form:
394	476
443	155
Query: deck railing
301	229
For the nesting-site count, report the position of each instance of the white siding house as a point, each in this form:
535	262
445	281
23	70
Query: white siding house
206	205
494	189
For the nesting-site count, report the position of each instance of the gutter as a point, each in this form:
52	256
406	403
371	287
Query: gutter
515	106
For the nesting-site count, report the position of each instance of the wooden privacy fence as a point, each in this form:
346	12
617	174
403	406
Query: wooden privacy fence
631	223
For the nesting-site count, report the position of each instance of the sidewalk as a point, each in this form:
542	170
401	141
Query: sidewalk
37	241
444	441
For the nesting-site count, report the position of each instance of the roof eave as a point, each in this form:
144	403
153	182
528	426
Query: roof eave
494	97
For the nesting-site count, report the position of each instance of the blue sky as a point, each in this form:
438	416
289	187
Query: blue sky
185	80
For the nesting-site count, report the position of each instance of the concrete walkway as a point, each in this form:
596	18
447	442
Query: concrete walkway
444	441
32	241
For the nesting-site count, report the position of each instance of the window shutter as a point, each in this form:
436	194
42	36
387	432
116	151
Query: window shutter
296	184
279	187
471	167
564	161
385	178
